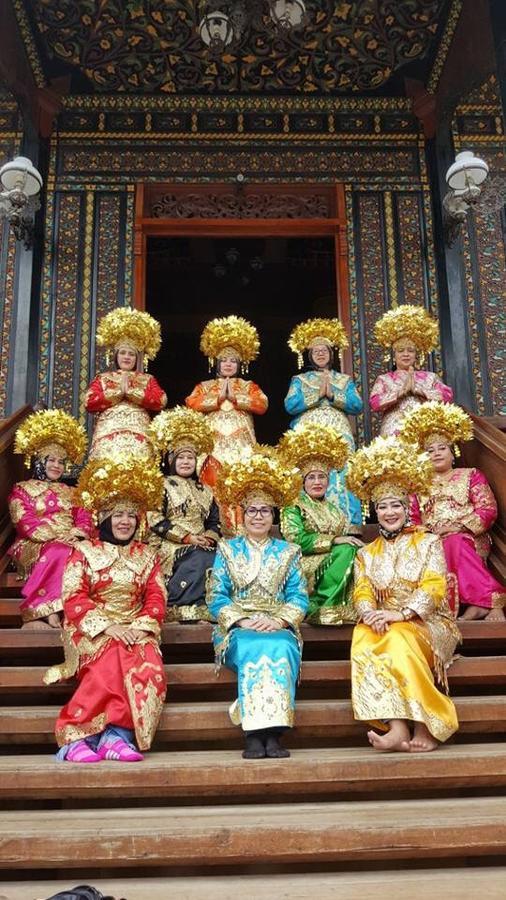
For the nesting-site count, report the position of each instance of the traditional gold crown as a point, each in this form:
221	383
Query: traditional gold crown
51	429
232	332
314	331
435	419
407	321
260	475
314	447
108	483
388	468
132	326
181	427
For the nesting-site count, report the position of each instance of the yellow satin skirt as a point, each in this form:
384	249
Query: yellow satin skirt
392	678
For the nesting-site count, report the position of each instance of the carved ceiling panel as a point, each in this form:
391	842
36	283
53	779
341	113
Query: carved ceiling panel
141	46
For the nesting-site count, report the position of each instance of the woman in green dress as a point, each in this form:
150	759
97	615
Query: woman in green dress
328	540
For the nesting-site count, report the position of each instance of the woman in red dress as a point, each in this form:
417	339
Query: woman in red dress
124	397
114	605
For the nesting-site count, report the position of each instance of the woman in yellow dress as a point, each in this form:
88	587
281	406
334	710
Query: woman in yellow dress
228	400
186	529
406	634
124	398
410	333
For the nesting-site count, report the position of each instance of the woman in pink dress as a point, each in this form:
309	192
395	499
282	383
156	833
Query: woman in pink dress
410	333
460	507
47	523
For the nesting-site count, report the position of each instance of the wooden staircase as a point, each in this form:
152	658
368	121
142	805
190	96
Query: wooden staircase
195	820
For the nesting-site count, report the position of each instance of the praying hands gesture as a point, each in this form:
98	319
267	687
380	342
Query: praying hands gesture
226	391
124	383
261	623
325	385
409	386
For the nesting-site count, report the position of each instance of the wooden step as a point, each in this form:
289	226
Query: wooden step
225	773
475	634
387	884
210	721
249	835
472	670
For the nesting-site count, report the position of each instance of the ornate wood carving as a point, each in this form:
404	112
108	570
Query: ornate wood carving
236	205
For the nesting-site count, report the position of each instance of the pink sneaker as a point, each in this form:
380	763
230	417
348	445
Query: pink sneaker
121	751
82	753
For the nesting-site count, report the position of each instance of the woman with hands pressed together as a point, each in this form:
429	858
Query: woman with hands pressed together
406	634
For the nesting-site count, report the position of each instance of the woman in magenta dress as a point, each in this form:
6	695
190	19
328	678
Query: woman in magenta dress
123	398
48	523
410	333
460	507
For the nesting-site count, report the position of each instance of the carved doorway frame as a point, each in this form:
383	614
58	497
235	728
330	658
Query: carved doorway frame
176	198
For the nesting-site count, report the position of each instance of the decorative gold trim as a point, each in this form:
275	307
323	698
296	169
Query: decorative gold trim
29	43
217	137
444	46
86	299
241	103
390	248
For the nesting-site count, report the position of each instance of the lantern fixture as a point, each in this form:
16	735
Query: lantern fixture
19	199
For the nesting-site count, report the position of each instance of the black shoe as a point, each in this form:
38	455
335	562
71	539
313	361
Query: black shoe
273	748
254	748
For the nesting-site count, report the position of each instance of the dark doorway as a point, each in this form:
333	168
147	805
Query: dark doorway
273	282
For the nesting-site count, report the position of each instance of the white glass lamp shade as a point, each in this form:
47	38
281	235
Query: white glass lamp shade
20	174
467	170
287	13
215	29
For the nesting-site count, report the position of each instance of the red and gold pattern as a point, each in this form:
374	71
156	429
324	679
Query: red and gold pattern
123	421
107	585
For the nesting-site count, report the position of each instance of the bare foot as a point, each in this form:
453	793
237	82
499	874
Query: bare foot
54	620
397	738
473	613
496	614
36	625
422	740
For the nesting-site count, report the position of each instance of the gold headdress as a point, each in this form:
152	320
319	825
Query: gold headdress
181	428
434	420
51	430
131	327
317	331
120	481
231	333
259	476
407	321
388	468
317	447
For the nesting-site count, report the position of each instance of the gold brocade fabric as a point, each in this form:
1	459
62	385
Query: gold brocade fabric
450	501
410	571
392	679
54	525
234	433
267	699
392	420
122	429
187	507
323	517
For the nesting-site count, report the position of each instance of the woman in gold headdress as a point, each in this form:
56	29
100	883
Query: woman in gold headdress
114	605
410	333
318	526
459	506
124	397
325	396
186	529
44	512
258	596
406	636
228	400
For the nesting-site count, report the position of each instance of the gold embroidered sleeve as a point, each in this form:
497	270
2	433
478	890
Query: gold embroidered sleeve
147	623
135	392
213	535
363	591
323	543
229	615
94	622
432	587
472	523
111	387
291	614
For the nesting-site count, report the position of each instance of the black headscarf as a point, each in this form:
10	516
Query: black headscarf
105	533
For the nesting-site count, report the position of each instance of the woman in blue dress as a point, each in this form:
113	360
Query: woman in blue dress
258	596
326	396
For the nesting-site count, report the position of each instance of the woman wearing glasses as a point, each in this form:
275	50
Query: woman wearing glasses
258	596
